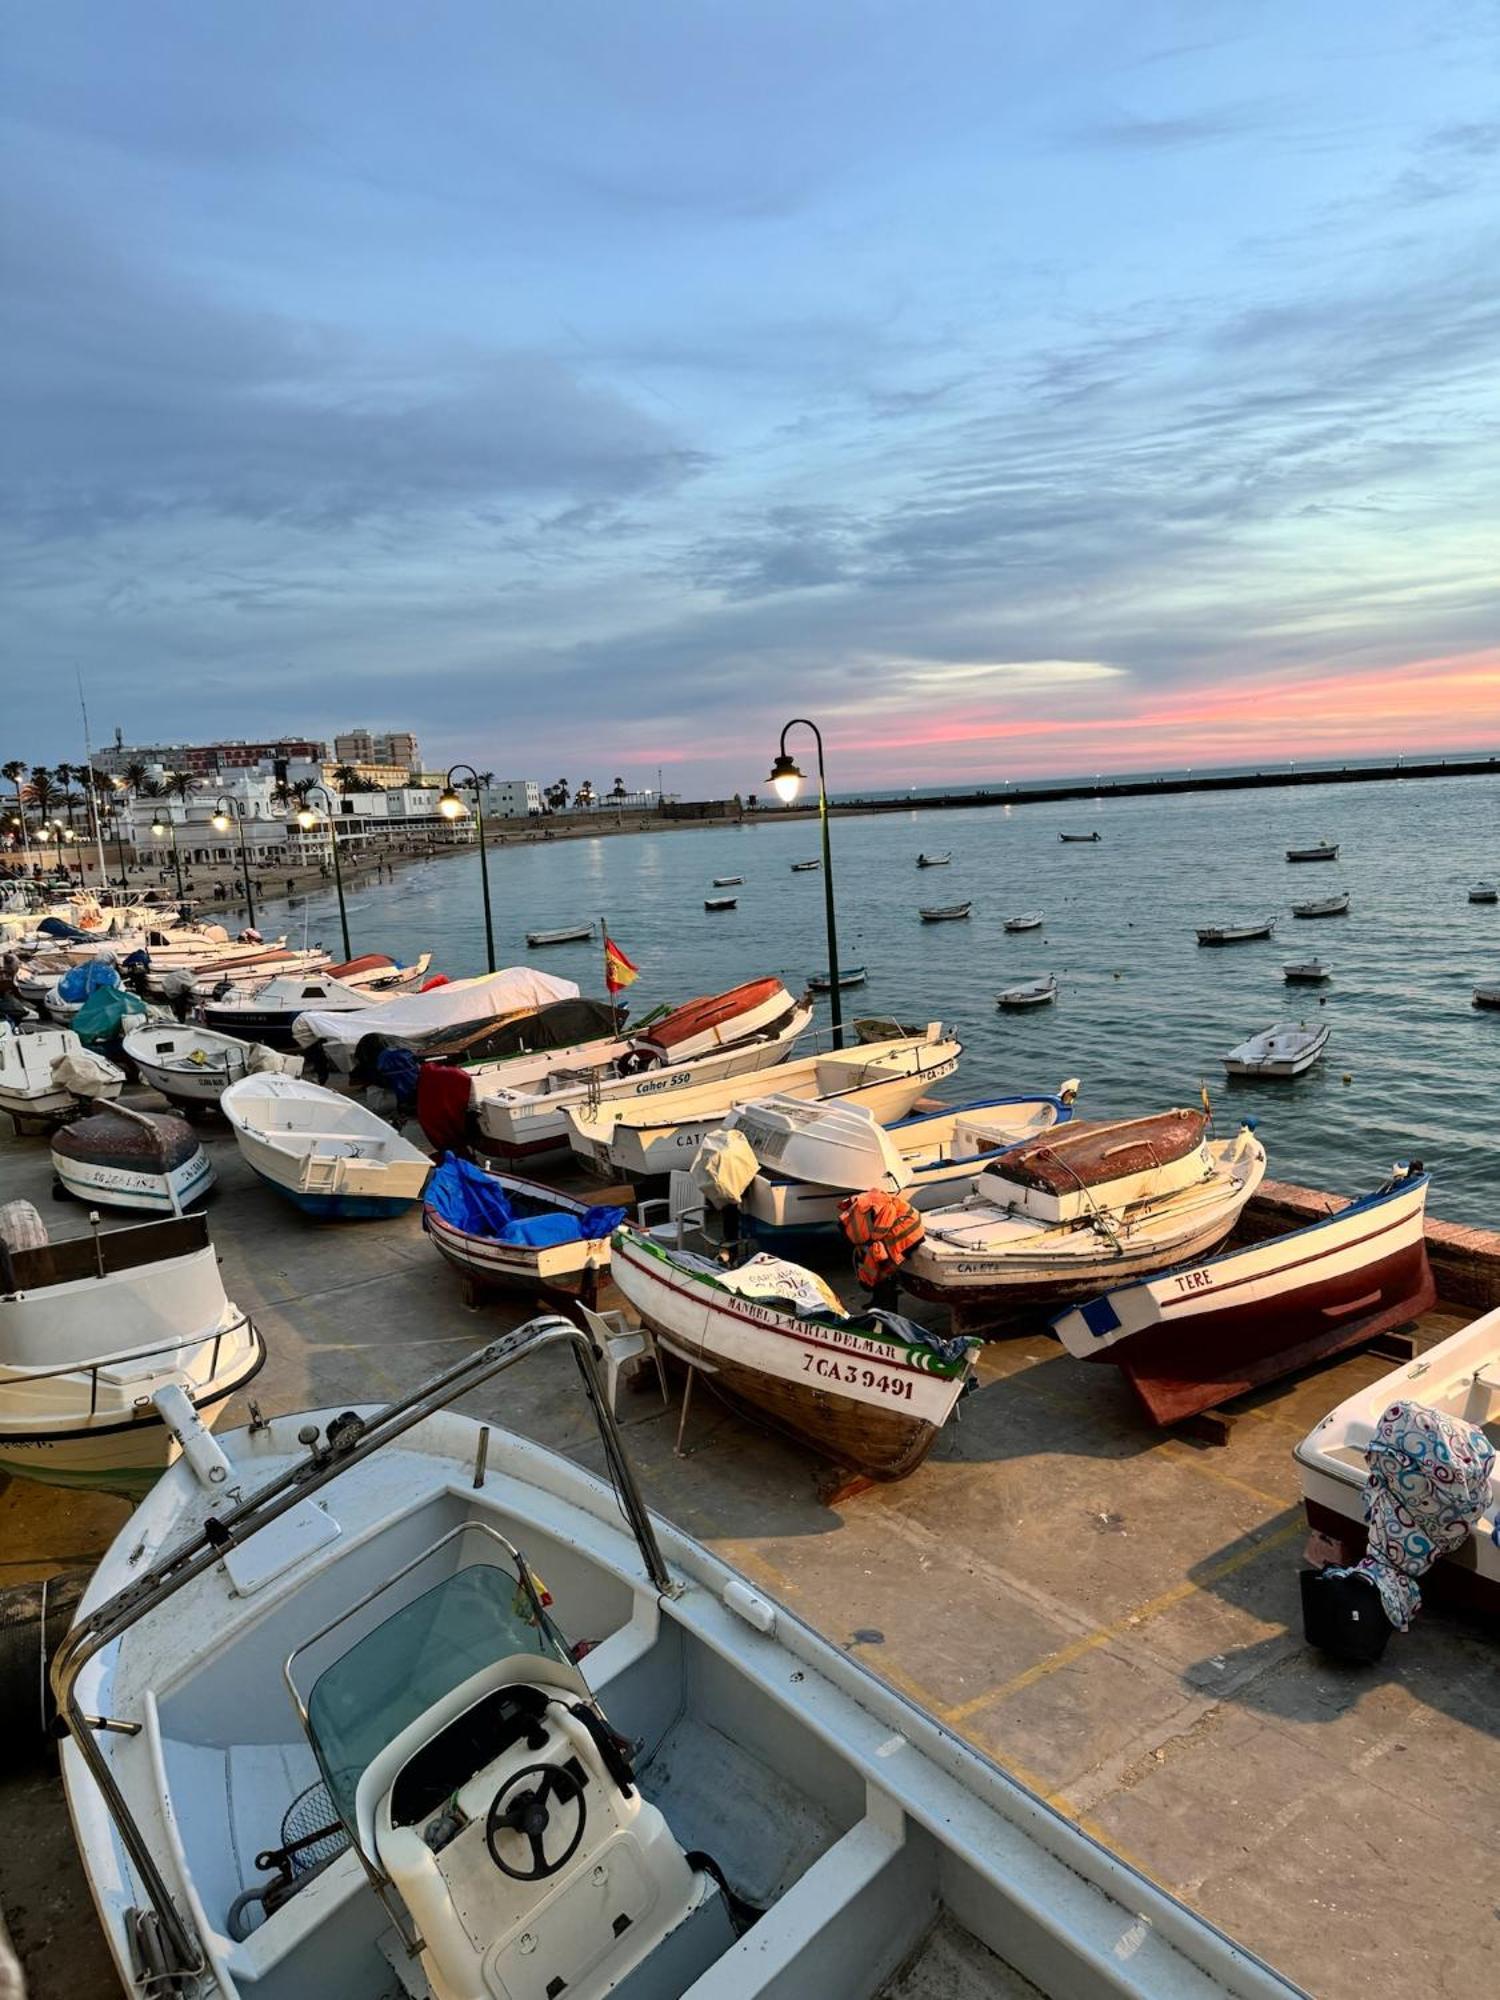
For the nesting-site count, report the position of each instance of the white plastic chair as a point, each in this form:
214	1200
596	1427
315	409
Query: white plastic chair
618	1344
684	1210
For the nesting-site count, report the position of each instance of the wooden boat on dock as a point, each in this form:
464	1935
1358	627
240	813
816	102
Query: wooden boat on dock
870	1392
934	860
850	975
123	1158
720	902
34	1073
93	1330
1323	906
1075	1213
1032	921
639	1139
812	1154
192	1066
1242	933
1323	850
574	934
1285	1050
1459	1377
644	1776
326	1154
946	913
516	1110
1199	1334
1038	993
507	1234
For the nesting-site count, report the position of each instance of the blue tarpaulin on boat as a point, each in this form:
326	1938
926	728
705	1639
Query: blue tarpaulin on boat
469	1199
86	979
55	927
107	1013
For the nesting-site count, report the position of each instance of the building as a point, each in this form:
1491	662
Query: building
397	746
510	798
206	760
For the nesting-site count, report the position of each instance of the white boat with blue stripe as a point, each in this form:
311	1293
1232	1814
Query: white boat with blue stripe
326	1154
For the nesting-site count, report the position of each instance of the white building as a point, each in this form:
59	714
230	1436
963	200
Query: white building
509	798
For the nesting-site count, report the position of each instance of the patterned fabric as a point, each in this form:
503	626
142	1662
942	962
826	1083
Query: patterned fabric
1428	1485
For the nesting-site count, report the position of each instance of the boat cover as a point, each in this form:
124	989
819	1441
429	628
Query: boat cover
443	1094
85	979
469	1199
515	990
561	1024
1428	1485
55	927
723	1167
110	1139
85	1074
109	1011
1093	1153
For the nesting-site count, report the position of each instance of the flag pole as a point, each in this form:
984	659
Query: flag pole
608	987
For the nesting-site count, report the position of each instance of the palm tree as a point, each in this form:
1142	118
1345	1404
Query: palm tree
43	790
135	777
556	795
486	779
346	778
153	788
617	791
180	784
15	771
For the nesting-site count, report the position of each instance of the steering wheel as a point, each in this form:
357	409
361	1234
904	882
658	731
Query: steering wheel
527	1815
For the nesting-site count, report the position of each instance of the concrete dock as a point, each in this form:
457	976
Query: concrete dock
1108	1612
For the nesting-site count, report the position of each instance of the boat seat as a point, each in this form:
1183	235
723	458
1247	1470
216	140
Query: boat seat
684	1210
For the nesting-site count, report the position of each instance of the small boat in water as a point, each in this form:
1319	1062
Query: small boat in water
934	860
47	1074
506	1234
123	1158
1032	921
1256	927
946	913
1285	1050
720	902
728	881
1039	993
1081	1210
326	1154
1323	850
849	975
93	1330
1080	839
192	1066
326	1731
870	1391
1459	1377
1487	996
1484	892
805	867
1199	1334
575	934
1306	972
1323	906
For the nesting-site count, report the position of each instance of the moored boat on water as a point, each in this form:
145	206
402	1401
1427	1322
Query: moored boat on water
1285	1050
1484	892
849	975
570	934
351	1638
1039	993
934	860
728	881
945	913
1240	933
1032	921
1306	972
1323	850
1323	906
1198	1334
93	1330
507	1234
1487	996
326	1154
805	867
119	1157
1071	1214
720	902
1081	839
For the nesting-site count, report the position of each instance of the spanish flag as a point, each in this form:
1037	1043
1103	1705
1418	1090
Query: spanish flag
618	970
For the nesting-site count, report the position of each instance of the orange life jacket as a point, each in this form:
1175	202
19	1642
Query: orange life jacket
884	1230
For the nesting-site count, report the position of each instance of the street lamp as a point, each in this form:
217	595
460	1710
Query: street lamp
227	811
451	806
786	781
307	819
169	825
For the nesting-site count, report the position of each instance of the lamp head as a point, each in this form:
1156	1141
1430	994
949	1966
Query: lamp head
307	818
158	827
785	779
451	806
221	821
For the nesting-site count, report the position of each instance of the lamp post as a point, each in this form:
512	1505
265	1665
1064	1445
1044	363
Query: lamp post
451	806
307	819
225	811
786	781
118	804
169	825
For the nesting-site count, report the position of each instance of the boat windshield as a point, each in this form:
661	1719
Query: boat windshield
364	1700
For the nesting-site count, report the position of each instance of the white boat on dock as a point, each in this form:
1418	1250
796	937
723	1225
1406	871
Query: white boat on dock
1241	933
192	1066
1084	1210
1287	1049
35	1072
326	1154
93	1330
573	934
267	1011
414	1018
1038	993
641	1139
507	1234
643	1775
811	1155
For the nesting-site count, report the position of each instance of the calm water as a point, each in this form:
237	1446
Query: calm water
1144	1013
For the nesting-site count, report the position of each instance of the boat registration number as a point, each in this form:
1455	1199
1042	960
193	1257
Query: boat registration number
1193	1281
831	1370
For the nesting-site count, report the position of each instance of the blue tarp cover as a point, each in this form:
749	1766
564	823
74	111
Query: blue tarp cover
85	979
55	927
469	1199
106	1013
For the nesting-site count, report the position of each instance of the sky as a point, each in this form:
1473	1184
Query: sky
593	388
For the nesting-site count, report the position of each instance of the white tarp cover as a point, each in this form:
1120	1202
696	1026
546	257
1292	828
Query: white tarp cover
456	1005
768	1277
83	1073
723	1167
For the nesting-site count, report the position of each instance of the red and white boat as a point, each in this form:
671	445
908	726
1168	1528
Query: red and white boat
1196	1335
517	1106
1460	1377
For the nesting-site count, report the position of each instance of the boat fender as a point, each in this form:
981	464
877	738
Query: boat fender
748	1604
194	1438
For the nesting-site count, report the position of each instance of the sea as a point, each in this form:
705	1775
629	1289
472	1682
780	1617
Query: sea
1144	1015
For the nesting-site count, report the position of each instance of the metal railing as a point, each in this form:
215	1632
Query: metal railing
10	1374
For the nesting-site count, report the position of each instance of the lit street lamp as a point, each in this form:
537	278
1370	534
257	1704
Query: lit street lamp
227	811
786	781
451	806
307	819
169	825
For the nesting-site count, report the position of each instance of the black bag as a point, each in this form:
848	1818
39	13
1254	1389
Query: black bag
1342	1615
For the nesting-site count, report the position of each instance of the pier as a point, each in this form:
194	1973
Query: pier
1110	1612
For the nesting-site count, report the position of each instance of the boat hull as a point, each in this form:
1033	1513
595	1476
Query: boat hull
137	1187
1194	1338
337	1207
518	1267
845	1395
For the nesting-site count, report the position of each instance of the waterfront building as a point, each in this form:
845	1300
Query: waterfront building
512	798
395	746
